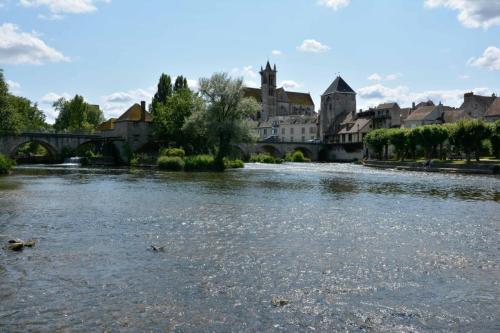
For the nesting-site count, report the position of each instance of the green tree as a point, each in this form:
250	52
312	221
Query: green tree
180	84
468	136
10	121
76	115
226	113
495	138
377	140
429	137
399	139
163	92
171	115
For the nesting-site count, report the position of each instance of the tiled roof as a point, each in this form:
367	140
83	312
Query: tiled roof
494	109
134	114
339	85
253	92
454	115
108	125
299	98
421	113
359	125
385	106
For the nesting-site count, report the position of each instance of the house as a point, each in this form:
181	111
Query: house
288	129
387	115
493	112
476	105
426	115
134	126
354	131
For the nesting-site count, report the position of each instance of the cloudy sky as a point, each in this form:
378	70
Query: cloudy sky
113	51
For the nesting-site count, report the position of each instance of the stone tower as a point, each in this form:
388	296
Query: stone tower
336	102
268	90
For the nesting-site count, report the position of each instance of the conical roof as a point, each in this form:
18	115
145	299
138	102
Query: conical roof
339	85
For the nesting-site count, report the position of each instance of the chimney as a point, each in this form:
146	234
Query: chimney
143	110
468	96
413	106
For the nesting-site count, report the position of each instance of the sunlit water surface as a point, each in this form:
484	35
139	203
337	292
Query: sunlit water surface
350	248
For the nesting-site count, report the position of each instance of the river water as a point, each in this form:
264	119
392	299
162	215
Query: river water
343	247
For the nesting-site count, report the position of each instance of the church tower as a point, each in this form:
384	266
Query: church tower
268	91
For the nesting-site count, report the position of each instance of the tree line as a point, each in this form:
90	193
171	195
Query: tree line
472	138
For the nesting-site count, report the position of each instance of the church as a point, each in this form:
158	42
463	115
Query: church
277	102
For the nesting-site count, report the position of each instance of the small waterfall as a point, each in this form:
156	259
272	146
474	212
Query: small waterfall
73	160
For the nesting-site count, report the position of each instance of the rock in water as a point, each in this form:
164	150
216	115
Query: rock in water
16	246
30	243
280	302
157	248
17	240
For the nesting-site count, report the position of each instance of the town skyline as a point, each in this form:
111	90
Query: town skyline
49	50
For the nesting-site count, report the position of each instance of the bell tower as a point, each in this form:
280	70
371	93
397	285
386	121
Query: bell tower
268	91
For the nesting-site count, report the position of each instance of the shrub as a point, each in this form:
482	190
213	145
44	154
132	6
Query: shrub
173	152
170	163
296	156
377	140
264	158
5	165
134	161
233	164
199	163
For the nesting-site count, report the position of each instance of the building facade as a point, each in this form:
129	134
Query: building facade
337	102
276	101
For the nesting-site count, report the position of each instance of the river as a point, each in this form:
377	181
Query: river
268	248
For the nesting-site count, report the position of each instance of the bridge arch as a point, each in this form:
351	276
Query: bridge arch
239	152
306	151
52	151
271	150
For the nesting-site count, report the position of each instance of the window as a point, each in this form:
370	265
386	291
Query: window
303	130
291	139
311	130
136	137
265	131
350	137
135	123
291	130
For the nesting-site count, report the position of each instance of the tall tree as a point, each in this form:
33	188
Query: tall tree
77	115
226	113
163	92
180	83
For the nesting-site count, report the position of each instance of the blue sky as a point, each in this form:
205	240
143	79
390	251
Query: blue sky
113	51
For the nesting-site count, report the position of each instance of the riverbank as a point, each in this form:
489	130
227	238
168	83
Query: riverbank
480	168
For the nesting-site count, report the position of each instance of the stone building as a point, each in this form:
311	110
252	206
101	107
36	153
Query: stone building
353	129
337	102
493	112
289	129
277	101
427	115
134	126
476	105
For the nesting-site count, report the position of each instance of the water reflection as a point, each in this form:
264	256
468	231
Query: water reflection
349	249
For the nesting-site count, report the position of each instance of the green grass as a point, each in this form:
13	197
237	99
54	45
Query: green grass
170	163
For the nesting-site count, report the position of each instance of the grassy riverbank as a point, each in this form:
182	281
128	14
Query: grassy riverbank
484	166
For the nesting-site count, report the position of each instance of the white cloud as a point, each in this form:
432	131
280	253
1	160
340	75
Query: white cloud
193	84
392	77
490	59
373	95
17	47
248	74
312	45
64	6
334	4
472	13
276	52
289	84
51	17
375	77
113	105
13	85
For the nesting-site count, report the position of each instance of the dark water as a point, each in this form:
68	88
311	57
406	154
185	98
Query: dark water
350	248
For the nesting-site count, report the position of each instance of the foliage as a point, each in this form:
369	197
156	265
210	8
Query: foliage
468	136
172	163
233	164
430	136
377	140
76	115
18	114
264	158
171	115
296	156
32	148
398	137
199	163
172	152
225	113
5	165
164	90
180	84
495	138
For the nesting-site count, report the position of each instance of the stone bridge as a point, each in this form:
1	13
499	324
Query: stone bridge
279	149
55	143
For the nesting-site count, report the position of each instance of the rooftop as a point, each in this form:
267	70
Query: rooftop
339	85
134	114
